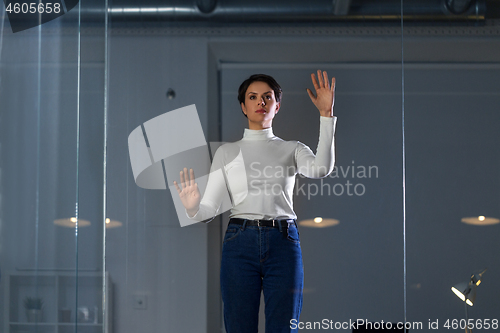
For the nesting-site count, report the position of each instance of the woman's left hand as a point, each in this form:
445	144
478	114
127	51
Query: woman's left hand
325	94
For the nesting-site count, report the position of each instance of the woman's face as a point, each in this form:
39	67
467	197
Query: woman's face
260	105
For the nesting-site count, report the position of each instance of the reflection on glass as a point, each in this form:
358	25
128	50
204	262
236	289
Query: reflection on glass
480	220
451	144
319	222
51	162
72	222
112	223
52	87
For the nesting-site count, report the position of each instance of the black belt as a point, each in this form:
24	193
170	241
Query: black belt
262	223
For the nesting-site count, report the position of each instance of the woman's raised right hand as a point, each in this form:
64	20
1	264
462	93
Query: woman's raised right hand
189	194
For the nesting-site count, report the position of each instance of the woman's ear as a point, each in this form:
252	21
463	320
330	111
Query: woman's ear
278	105
243	108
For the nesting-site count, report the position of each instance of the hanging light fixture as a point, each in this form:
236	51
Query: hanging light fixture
112	223
480	220
72	222
319	222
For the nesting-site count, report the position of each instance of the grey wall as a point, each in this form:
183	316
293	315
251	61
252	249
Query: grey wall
152	255
51	159
452	169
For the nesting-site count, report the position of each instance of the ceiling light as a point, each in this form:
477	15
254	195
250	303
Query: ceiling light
480	220
318	222
112	223
71	222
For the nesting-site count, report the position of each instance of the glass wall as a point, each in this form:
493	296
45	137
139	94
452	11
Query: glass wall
90	224
52	168
452	162
167	274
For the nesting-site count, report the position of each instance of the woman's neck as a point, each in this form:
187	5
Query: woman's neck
259	126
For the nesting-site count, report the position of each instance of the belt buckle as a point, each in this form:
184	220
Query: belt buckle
260	221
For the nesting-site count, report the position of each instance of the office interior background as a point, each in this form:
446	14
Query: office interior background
411	210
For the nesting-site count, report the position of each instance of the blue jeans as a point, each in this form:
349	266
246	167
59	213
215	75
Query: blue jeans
256	259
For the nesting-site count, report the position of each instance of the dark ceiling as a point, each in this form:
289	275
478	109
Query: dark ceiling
311	11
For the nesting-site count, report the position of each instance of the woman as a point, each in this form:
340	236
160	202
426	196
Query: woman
261	250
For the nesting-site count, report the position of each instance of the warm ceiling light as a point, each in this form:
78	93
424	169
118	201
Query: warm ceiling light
480	220
71	222
112	223
319	222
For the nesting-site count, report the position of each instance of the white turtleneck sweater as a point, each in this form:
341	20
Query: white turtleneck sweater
259	173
